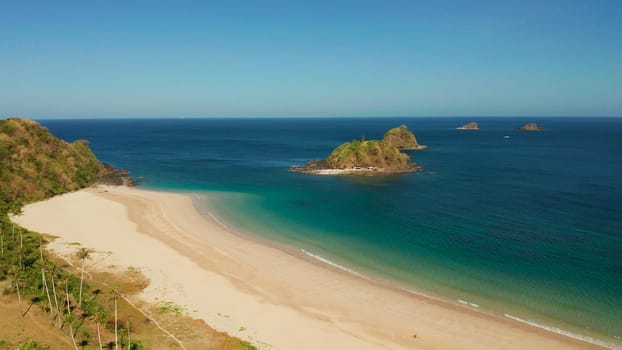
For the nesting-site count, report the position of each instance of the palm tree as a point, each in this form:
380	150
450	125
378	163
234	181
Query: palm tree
67	295
15	272
47	290
115	296
129	339
83	254
73	339
45	284
98	315
58	313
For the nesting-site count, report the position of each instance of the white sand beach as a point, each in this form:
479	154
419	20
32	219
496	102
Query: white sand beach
276	299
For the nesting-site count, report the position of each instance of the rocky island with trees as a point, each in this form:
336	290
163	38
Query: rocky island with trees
368	157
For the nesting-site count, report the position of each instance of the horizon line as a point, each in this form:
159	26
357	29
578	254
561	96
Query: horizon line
308	117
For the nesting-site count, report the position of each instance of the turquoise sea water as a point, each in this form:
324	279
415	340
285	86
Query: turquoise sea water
528	226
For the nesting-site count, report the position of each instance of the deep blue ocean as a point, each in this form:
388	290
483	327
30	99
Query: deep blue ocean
529	226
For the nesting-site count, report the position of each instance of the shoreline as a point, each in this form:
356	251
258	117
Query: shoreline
261	287
415	148
364	172
499	314
360	171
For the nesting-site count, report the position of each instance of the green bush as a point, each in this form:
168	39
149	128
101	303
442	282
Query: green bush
32	345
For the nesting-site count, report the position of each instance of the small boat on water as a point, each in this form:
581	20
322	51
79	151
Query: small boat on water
506	137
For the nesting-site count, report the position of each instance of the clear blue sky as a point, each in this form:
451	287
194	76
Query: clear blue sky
310	58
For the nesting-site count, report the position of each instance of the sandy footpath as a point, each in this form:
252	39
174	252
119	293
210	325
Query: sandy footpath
257	292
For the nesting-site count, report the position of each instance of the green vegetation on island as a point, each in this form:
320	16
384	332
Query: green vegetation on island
365	154
402	139
46	302
367	157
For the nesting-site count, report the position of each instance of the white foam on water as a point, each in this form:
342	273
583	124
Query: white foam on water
197	205
566	333
531	323
343	268
326	261
213	217
464	302
467	303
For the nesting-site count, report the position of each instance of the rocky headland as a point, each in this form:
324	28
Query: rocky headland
109	175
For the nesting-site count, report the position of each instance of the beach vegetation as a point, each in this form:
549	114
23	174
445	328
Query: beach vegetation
30	344
170	307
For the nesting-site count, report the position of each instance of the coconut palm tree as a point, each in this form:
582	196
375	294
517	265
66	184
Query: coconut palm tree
115	297
45	284
58	313
67	295
73	339
98	316
129	339
14	270
83	254
47	290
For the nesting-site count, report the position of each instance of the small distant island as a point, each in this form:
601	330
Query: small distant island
403	139
469	126
531	127
367	157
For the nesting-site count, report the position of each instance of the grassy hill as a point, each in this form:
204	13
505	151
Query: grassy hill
374	153
35	165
